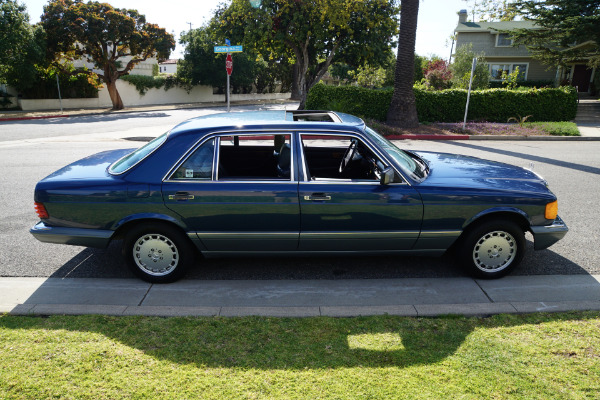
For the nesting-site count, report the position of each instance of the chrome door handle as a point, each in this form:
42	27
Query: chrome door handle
181	196
317	197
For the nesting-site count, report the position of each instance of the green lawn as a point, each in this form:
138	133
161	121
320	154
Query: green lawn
542	356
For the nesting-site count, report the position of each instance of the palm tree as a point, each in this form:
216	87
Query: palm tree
403	109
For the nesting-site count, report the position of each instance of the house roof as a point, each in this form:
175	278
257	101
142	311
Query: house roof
494	26
169	61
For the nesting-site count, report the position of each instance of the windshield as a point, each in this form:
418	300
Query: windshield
132	159
410	163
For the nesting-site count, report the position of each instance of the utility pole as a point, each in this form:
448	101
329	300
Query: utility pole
190	24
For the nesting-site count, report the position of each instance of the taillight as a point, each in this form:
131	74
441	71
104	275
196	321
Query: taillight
41	211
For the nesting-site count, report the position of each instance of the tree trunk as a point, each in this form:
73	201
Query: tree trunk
295	87
403	109
115	97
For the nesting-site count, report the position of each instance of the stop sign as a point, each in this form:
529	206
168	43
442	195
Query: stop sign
229	64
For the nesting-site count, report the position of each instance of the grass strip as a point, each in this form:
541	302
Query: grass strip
550	356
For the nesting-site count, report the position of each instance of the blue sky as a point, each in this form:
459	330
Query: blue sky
437	19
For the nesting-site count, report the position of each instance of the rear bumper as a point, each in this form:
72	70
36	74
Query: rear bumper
546	235
73	236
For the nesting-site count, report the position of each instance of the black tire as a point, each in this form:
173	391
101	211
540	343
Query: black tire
158	252
492	249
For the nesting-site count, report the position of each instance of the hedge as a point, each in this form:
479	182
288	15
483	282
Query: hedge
529	84
493	105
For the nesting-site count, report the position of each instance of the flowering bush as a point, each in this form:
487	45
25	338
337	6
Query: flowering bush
437	75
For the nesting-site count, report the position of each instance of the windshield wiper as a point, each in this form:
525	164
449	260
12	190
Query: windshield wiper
420	162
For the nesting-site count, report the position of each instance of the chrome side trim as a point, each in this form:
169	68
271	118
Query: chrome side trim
313	253
438	234
359	234
272	181
351	182
247	235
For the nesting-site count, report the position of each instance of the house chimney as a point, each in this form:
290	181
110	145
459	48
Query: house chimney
462	16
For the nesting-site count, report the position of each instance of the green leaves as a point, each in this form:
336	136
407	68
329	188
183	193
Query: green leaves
570	30
104	35
492	105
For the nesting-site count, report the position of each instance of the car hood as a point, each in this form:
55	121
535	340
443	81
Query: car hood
92	167
455	170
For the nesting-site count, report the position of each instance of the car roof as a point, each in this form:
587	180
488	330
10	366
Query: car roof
279	119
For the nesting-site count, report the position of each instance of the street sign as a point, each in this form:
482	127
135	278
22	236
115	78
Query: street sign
229	64
228	49
227	42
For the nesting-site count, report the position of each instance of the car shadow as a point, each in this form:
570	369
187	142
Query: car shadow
108	263
290	344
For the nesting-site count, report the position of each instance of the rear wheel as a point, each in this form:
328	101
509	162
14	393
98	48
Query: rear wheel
157	253
492	249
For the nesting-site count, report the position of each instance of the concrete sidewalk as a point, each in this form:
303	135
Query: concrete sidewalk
301	298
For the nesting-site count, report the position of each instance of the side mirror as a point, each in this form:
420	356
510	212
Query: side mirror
387	176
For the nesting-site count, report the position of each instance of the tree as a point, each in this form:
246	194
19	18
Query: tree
563	23
403	109
492	10
462	65
202	66
104	35
21	45
313	34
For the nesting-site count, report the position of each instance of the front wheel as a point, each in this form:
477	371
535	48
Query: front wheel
157	253
492	249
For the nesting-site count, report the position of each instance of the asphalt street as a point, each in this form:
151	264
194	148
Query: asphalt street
30	150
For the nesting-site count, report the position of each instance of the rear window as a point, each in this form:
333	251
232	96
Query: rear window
138	155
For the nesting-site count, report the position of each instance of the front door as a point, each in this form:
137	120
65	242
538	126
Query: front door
343	205
581	77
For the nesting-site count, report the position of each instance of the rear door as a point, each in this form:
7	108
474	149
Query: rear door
238	193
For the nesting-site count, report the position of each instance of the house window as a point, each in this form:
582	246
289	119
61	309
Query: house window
496	70
503	40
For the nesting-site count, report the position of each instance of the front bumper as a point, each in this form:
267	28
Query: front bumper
73	236
546	235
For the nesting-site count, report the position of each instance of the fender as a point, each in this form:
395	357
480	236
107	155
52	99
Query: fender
495	210
149	216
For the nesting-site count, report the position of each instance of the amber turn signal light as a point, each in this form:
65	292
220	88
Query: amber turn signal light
41	211
551	210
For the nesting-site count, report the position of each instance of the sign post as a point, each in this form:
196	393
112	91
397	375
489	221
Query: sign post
228	61
229	69
469	92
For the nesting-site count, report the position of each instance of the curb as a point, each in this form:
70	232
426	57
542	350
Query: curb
403	310
41	117
493	137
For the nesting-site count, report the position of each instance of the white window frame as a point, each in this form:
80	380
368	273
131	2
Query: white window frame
503	45
511	68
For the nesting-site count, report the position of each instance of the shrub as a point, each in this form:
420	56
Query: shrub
142	82
437	75
527	84
72	85
494	105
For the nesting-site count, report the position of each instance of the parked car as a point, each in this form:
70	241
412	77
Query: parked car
289	183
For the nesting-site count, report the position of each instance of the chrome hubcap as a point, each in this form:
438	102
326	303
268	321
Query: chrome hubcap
155	254
494	251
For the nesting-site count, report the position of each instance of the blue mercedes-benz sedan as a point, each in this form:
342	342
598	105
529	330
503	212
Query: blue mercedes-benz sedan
290	183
